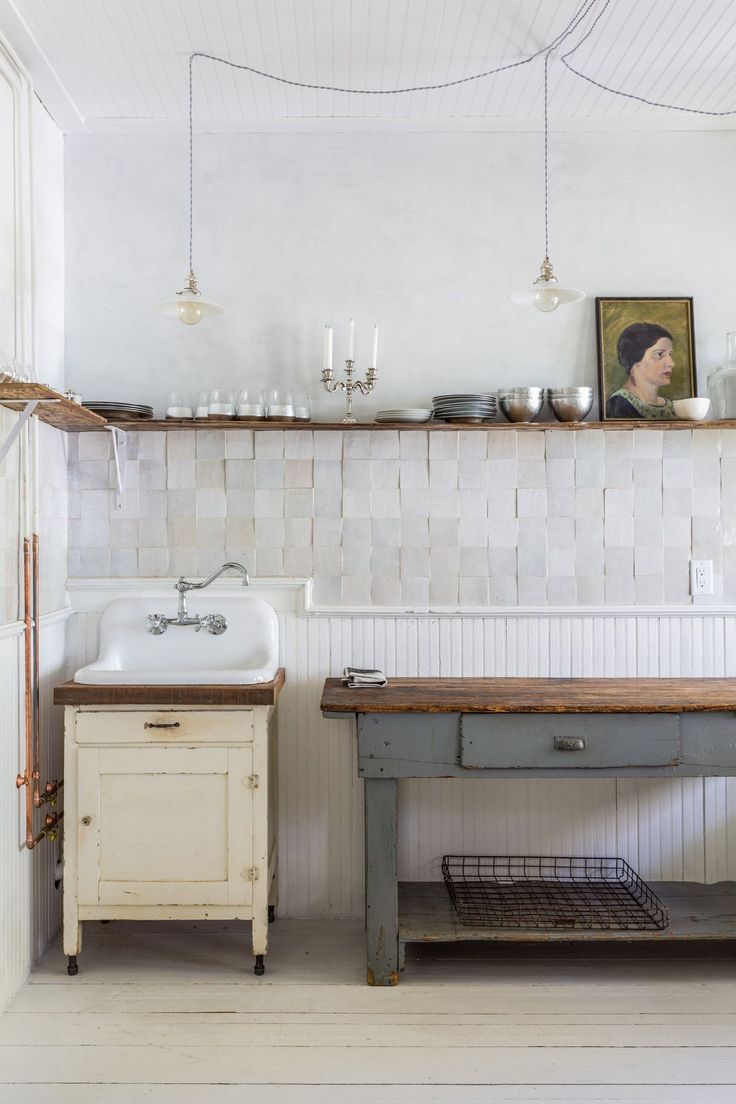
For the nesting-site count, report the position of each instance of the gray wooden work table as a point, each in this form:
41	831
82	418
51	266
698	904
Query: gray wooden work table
526	728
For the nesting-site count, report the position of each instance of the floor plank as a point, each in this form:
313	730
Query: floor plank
165	1013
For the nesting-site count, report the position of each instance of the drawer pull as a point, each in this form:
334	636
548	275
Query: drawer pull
161	724
569	743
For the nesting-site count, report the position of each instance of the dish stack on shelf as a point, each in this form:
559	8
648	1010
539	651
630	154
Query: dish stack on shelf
475	409
120	412
408	414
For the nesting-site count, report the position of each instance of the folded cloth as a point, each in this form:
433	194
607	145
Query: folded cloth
363	676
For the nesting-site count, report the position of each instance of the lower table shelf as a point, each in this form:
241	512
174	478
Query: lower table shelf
697	911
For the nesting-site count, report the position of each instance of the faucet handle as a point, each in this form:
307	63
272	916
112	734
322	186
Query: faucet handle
157	623
183	585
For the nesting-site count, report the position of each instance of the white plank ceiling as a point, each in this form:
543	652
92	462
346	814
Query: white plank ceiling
122	64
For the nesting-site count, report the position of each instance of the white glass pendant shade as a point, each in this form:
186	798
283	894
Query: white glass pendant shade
189	305
546	294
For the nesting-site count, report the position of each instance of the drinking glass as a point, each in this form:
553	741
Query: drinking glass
179	405
250	403
280	406
302	410
203	405
221	403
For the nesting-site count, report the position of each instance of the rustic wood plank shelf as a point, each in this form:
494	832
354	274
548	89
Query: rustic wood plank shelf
60	412
167	425
696	911
258	693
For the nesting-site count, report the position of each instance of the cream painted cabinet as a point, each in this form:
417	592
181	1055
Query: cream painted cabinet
167	816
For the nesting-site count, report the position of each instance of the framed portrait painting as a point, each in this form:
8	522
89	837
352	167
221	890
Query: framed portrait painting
646	356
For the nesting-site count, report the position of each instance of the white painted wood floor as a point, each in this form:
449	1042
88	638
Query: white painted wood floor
171	1013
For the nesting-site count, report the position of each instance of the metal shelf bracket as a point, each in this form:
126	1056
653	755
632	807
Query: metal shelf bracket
119	449
28	408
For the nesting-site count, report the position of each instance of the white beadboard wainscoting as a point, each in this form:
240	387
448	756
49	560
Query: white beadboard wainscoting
30	906
679	829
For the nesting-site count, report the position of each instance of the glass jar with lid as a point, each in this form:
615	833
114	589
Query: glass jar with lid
722	383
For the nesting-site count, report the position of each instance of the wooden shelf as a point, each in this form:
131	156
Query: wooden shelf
145	425
62	413
696	911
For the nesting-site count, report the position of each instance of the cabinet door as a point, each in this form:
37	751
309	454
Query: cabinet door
167	826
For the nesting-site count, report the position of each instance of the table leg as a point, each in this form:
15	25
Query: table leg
381	887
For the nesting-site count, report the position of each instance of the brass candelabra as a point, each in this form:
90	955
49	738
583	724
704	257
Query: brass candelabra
348	386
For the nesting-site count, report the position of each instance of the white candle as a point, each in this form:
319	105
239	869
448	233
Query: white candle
374	354
327	350
351	340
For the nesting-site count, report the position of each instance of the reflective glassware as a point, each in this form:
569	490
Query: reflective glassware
202	408
302	410
722	383
280	406
179	405
222	404
251	404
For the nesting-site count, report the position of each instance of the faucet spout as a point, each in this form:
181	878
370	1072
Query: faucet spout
231	565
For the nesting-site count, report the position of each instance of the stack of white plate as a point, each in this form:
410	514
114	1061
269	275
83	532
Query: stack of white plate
409	414
465	408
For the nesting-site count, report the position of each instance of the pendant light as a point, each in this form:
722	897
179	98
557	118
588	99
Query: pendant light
189	305
546	293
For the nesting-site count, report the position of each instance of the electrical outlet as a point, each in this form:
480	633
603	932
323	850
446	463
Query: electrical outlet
701	577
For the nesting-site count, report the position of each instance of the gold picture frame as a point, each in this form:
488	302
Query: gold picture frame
646	356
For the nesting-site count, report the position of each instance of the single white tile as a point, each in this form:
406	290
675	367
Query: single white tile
211	473
677	472
123	561
327	473
501	504
384	474
415	503
240	532
472	445
473	562
414	591
590	591
618	473
413	474
473	533
677	531
443	532
356	474
532	547
269	474
298	562
532	502
298	532
299	502
298	473
561	533
532	473
327	590
619	502
415	562
444	561
181	475
590	471
561	590
473	504
94	532
530	444
619	561
385	561
618	532
384	504
589	444
327	561
181	444
444	445
443	592
443	503
356	444
327	501
473	591
443	474
620	590
298	444
706	471
647	501
501	445
707	531
589	561
240	474
270	532
648	444
706	445
473	474
180	504
677	444
385	532
414	532
95	504
559	444
561	502
270	503
240	504
151	446
154	533
152	562
326	531
210	533
269	562
356	590
649	531
269	444
94	446
239	444
503	474
532	590
561	472
618	444
647	473
356	532
210	444
413	445
648	589
384	444
386	590
503	532
677	502
649	560
502	561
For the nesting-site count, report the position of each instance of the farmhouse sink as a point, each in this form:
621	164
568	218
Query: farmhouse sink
246	652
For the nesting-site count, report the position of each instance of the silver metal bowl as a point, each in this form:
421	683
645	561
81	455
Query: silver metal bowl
570	404
521	404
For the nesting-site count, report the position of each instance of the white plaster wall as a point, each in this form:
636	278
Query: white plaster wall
426	234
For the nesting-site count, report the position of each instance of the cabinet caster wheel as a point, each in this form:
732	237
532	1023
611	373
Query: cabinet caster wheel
259	968
271	913
72	967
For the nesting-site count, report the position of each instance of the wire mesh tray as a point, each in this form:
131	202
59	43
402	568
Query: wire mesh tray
549	892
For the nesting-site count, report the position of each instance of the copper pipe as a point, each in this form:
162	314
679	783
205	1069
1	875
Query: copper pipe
25	778
36	614
47	832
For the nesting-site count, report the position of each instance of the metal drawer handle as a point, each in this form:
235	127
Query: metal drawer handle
161	724
569	743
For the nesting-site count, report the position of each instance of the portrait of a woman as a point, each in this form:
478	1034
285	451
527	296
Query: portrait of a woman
645	354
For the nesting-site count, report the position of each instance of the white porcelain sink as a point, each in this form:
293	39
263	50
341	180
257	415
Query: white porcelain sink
247	652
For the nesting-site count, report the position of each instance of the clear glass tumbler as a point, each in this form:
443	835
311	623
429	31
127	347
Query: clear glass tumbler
179	405
250	404
280	406
222	404
302	410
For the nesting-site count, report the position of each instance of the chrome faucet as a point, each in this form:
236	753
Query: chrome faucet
214	623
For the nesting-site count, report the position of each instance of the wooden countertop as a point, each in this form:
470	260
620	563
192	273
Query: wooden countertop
533	695
259	693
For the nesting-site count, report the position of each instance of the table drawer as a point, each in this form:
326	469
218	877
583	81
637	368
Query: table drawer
170	726
569	741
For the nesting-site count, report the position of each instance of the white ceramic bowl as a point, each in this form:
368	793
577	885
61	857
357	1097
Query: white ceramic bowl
691	410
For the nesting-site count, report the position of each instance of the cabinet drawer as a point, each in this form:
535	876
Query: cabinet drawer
569	741
157	726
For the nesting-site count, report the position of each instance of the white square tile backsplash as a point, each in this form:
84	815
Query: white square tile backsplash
418	517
